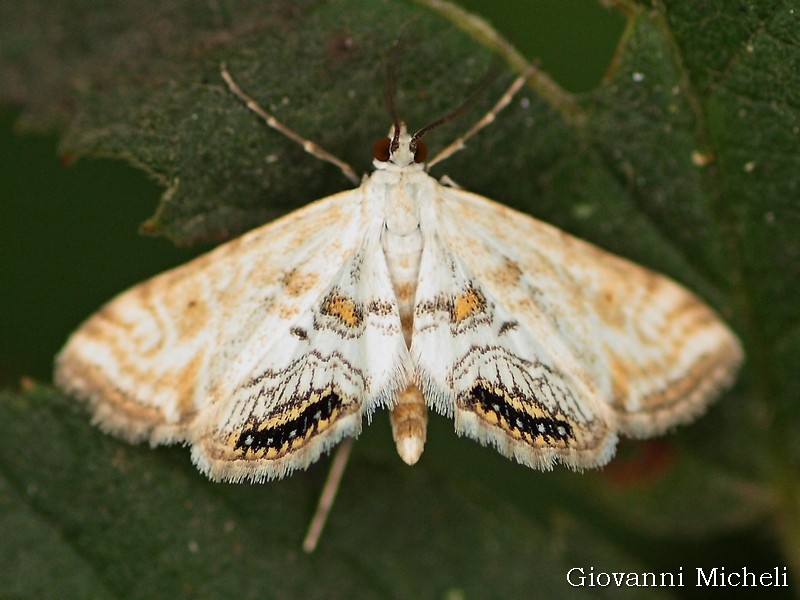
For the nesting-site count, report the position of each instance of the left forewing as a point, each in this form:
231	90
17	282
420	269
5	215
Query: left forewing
648	348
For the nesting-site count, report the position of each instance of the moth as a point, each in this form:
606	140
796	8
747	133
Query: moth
407	294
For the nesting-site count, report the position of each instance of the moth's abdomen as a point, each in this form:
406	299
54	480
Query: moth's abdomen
409	419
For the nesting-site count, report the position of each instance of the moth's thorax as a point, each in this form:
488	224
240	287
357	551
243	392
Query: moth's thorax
400	193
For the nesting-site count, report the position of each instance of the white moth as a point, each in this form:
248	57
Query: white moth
405	294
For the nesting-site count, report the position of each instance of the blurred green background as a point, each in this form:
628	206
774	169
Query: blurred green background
69	233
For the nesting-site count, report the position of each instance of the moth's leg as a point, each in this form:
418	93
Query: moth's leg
328	495
448	181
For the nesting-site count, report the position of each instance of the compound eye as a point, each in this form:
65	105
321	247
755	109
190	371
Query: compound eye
381	149
420	152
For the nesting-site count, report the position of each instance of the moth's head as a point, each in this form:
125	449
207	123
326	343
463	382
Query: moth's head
399	148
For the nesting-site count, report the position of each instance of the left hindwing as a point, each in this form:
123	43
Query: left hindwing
509	382
303	392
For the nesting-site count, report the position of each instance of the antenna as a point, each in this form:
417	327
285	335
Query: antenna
488	118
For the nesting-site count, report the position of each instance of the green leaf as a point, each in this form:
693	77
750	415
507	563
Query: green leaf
104	519
684	158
